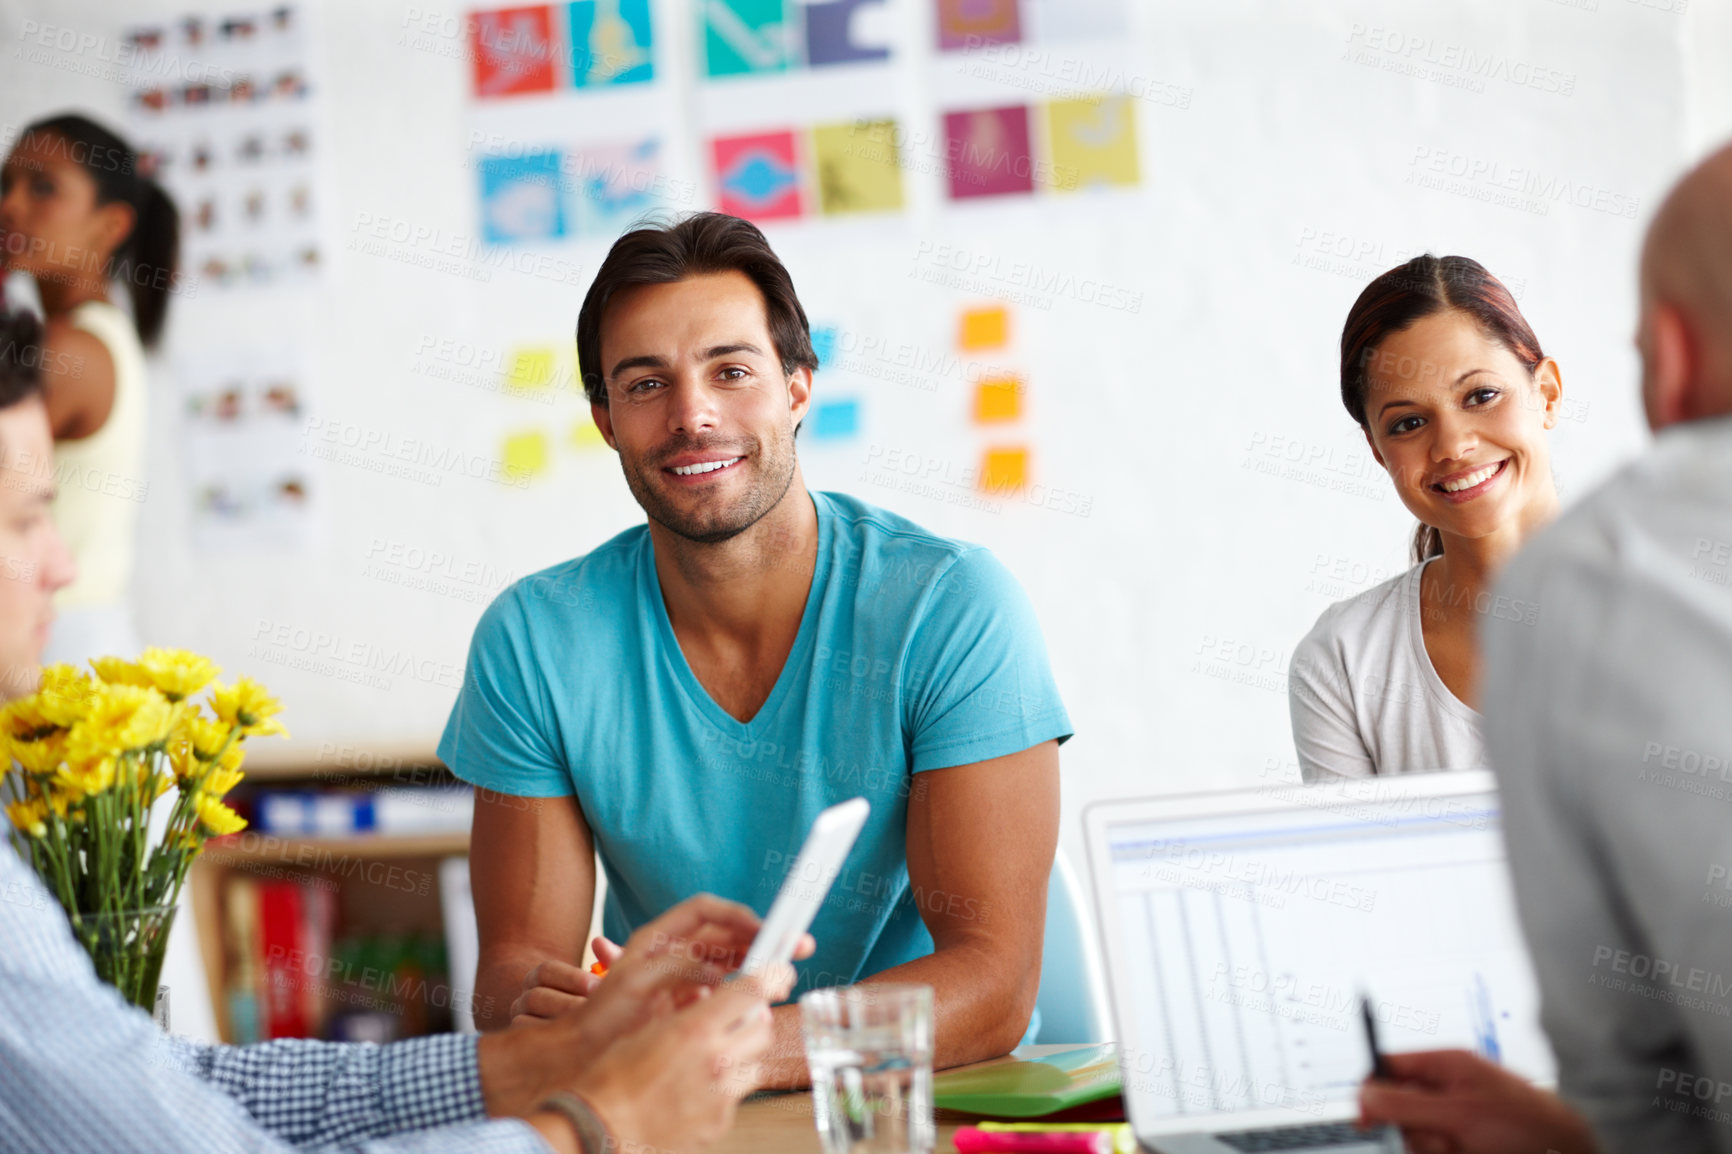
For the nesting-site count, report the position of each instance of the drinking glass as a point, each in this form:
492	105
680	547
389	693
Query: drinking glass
870	1052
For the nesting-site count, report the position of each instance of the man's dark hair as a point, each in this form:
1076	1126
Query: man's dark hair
20	357
705	242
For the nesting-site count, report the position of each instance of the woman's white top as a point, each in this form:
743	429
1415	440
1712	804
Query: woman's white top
1365	698
99	479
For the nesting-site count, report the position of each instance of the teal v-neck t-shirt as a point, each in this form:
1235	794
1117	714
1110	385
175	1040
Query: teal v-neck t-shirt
914	653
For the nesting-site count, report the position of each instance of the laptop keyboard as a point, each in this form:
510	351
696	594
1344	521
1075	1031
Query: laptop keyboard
1297	1137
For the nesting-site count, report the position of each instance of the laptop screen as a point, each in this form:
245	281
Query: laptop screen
1246	940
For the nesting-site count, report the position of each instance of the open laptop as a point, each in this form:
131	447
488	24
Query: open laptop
1241	928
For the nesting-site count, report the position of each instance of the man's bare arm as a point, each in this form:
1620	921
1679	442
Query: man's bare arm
981	840
532	871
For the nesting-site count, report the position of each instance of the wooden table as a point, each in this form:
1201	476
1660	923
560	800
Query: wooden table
782	1123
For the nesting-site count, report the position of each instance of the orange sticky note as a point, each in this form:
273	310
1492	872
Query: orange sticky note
1005	470
998	399
985	328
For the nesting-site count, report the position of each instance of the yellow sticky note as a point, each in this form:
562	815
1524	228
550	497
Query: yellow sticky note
1005	470
585	436
998	399
525	454
858	167
531	368
1093	142
985	328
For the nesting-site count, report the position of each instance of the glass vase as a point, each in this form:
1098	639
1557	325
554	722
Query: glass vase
127	949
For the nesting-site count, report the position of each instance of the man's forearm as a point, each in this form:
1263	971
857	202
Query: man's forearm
981	1011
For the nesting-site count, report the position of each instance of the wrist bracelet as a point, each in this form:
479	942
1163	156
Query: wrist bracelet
592	1133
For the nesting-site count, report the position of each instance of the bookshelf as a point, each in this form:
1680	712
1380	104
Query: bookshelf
336	934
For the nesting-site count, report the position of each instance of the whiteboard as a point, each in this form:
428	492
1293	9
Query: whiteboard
1202	495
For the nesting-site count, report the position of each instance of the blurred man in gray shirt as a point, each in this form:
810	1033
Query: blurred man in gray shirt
1610	723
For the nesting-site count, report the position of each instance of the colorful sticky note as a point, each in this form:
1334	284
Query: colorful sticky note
615	185
858	167
998	399
520	198
833	420
1094	142
531	368
513	51
845	31
525	454
758	177
744	36
985	328
972	23
988	152
586	436
824	343
1004	471
610	42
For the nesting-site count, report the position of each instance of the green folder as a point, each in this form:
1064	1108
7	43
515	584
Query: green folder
1030	1087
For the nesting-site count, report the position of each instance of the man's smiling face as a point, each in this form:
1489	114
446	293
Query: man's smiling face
699	407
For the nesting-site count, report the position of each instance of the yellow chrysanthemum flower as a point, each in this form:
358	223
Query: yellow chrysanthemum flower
129	717
177	673
249	706
39	757
181	759
217	817
29	817
119	671
86	742
87	776
66	694
205	736
24	718
219	781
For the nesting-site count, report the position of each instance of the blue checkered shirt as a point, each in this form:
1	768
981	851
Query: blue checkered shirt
80	1070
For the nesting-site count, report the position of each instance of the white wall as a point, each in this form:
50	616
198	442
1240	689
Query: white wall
1172	606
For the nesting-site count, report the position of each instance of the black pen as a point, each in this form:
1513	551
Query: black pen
1379	1064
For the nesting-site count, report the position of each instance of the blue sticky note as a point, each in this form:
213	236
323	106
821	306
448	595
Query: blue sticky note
824	343
832	420
520	198
611	43
839	31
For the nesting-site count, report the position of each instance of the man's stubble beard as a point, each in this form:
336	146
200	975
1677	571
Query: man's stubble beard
776	477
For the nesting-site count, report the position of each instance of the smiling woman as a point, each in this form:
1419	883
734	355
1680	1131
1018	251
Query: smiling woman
1454	395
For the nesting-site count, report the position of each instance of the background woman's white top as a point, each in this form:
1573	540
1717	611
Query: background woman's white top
100	478
1365	698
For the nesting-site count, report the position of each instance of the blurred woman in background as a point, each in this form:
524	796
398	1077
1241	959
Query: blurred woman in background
77	215
1448	383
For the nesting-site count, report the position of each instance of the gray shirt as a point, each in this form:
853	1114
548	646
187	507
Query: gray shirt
1609	721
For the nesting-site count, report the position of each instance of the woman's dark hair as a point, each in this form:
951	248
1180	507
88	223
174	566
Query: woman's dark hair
705	242
1408	293
20	357
147	259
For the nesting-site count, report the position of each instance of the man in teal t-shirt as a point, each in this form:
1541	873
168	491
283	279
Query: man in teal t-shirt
687	697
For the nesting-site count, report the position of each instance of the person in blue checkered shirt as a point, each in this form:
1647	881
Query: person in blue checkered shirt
649	1062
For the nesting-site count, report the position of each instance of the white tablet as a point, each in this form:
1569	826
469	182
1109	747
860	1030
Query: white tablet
803	890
